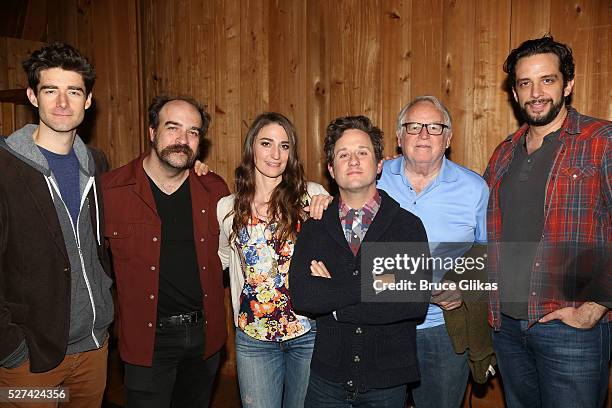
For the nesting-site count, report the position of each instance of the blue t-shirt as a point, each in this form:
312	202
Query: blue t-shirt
453	208
65	168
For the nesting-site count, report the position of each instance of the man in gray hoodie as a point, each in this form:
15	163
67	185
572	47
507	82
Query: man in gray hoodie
55	301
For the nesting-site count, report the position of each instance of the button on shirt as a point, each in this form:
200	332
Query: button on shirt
521	198
452	208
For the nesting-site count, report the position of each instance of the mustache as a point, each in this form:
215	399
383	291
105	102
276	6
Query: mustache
539	100
177	148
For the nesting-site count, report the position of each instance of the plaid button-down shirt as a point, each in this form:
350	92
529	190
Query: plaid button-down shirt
575	245
356	224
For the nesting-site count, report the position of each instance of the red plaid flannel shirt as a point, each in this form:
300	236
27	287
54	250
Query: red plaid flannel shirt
577	215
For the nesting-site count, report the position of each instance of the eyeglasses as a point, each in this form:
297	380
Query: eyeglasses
414	128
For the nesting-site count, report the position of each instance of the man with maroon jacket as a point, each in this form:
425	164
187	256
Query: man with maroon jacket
163	234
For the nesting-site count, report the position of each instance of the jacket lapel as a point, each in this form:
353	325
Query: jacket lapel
382	221
331	221
40	194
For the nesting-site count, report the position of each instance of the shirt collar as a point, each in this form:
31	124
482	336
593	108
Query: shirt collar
371	206
447	173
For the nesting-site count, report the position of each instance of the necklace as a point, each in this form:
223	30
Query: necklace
259	214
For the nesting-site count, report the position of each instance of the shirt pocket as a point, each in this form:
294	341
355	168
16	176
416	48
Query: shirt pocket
577	174
121	240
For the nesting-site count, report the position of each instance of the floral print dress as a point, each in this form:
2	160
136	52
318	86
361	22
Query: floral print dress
266	312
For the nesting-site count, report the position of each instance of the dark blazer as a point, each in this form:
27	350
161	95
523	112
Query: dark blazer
368	344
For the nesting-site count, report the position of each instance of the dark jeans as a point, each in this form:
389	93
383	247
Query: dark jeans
552	364
444	373
179	376
327	394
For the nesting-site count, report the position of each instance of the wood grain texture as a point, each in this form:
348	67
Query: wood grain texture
312	60
318	89
113	122
396	74
458	83
492	117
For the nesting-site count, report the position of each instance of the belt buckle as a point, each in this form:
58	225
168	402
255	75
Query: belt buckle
189	318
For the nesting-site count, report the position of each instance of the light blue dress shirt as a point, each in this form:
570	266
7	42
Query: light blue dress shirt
452	208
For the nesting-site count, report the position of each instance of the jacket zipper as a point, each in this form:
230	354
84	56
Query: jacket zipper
75	231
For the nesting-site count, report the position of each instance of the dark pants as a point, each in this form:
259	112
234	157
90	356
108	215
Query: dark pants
323	393
552	364
179	376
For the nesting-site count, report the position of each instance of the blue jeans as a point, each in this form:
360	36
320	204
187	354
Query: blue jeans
265	368
552	364
327	394
444	373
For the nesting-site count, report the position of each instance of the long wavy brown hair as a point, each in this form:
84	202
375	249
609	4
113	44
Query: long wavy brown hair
287	200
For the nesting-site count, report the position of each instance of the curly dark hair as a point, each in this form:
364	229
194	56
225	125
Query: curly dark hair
544	45
286	204
58	55
338	126
159	101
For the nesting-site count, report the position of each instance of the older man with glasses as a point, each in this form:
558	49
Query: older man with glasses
451	200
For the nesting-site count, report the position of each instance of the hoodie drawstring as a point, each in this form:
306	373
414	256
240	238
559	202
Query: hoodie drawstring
50	188
97	212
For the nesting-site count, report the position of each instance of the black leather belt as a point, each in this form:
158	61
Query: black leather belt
183	319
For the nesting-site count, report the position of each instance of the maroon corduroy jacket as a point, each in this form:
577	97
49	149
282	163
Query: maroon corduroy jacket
133	231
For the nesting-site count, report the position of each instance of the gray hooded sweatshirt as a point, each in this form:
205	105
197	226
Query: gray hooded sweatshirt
91	304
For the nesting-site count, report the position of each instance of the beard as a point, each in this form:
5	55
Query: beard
544	120
172	157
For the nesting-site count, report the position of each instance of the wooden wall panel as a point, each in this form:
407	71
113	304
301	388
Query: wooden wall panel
107	33
458	82
13	52
312	60
492	111
586	25
396	67
317	60
318	87
287	54
427	35
226	132
254	60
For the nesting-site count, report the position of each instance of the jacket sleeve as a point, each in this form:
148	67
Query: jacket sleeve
315	188
223	208
399	305
313	294
12	340
604	280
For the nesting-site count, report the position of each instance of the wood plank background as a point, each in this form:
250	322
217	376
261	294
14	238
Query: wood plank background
312	60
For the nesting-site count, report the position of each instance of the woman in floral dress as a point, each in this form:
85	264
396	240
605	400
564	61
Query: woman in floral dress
259	225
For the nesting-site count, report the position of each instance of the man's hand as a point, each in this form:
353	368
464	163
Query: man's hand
317	268
201	169
585	316
318	204
447	299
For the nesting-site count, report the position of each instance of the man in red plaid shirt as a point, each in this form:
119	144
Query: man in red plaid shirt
549	231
